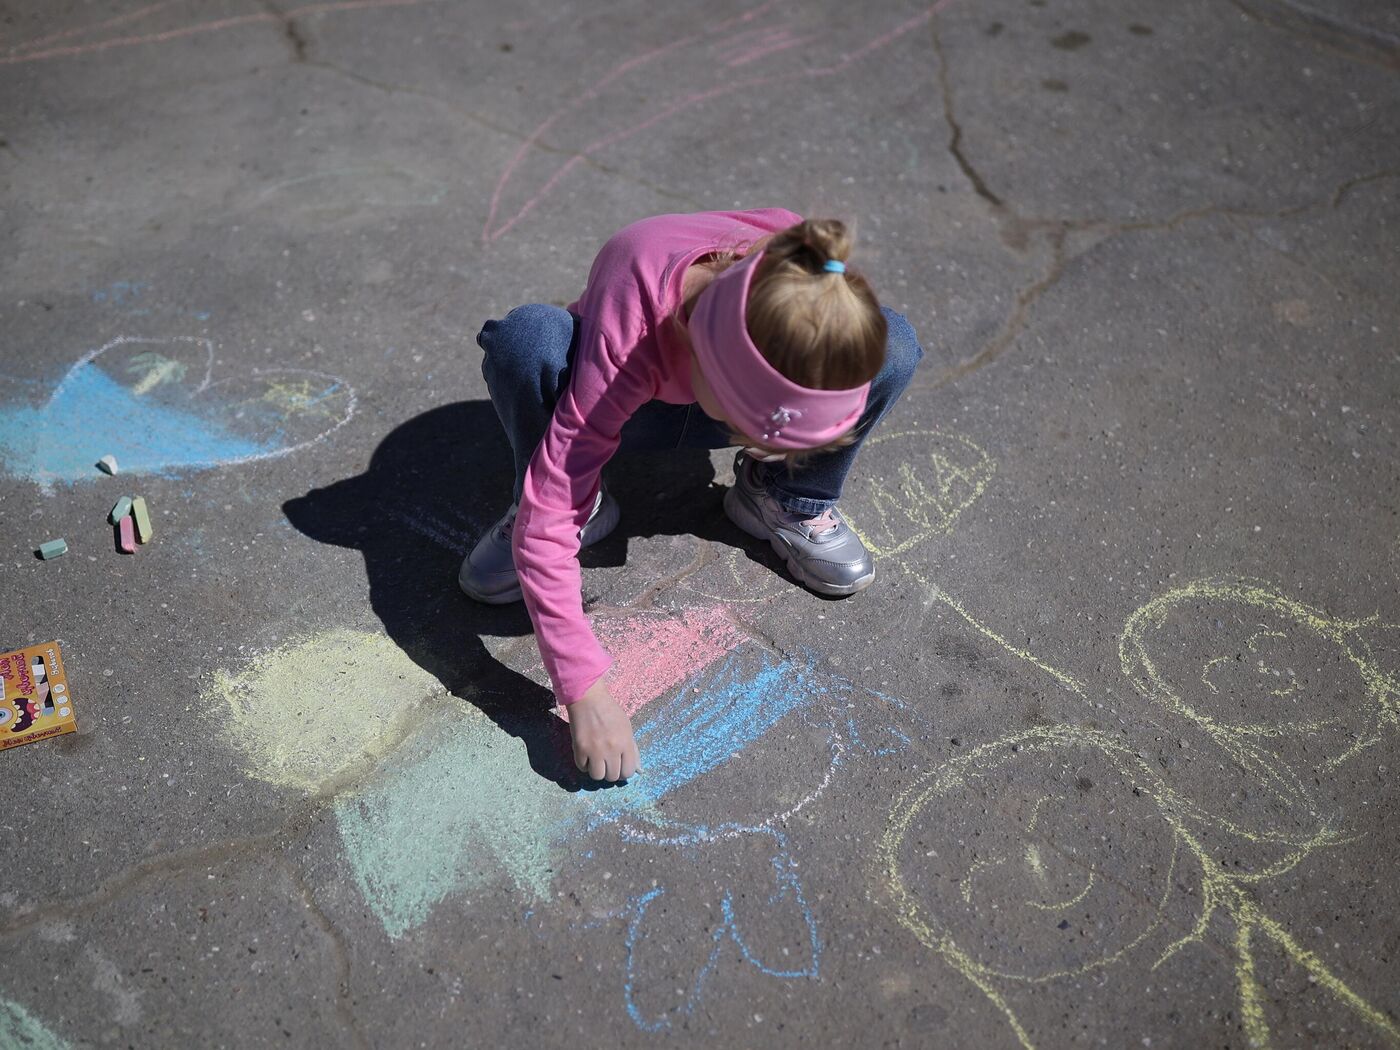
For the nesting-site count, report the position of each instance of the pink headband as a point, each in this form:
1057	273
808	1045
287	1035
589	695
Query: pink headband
758	399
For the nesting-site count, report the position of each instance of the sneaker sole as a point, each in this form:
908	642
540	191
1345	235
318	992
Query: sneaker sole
500	598
736	508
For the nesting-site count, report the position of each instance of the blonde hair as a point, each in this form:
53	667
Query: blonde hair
822	330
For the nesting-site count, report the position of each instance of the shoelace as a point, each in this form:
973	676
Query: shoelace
506	526
822	523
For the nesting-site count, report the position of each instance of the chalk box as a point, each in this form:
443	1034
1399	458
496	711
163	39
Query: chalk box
36	702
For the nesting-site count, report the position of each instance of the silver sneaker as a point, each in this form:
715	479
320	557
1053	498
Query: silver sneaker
488	572
823	553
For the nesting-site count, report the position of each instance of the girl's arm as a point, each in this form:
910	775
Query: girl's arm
560	487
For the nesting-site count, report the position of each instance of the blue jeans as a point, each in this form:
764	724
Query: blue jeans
528	354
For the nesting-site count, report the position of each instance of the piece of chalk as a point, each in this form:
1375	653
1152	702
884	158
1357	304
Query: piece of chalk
120	509
144	532
107	464
52	549
126	535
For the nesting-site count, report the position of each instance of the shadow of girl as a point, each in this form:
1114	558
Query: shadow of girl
433	486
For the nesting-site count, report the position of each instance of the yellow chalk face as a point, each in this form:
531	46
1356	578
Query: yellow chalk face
1286	692
1034	863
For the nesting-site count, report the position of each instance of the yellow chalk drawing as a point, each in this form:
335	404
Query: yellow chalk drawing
154	370
740	581
937	594
1007	864
318	714
1011	877
993	931
305	397
936	476
1256	742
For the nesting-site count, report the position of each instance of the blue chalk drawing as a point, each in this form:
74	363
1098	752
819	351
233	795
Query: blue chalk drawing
49	444
728	931
696	732
20	1028
153	404
119	293
460	813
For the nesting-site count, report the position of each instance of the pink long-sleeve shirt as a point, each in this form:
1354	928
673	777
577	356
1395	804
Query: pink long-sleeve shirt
626	356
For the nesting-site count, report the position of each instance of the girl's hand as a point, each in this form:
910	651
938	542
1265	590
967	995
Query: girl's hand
604	747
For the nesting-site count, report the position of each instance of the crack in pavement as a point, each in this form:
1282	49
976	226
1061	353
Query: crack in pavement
1057	231
1018	234
176	862
954	147
296	38
1358	43
344	1004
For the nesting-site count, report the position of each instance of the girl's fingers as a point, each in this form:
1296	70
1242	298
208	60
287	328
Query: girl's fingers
596	767
629	763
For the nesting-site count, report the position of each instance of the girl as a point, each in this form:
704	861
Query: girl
704	330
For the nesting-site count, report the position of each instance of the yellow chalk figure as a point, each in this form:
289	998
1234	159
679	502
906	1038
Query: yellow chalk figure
1288	692
974	899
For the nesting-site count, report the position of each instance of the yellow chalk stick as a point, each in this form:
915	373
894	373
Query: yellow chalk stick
144	532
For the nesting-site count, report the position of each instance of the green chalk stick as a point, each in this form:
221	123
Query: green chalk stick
53	549
120	510
143	519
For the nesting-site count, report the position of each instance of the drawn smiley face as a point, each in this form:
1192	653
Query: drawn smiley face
1030	858
1289	692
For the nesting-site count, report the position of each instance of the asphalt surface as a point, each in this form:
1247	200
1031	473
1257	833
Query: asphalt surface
1107	754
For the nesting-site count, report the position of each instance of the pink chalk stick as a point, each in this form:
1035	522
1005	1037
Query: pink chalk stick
126	535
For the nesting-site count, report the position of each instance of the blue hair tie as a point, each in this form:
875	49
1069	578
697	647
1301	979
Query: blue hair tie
834	266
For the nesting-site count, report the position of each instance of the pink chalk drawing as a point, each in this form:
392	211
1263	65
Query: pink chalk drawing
632	107
653	654
38	50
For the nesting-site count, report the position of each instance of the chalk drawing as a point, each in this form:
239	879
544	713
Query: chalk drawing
654	653
789	949
982	902
503	821
120	293
456	814
37	51
914	488
1288	692
154	369
18	1027
714	54
376	187
911	487
154	404
317	714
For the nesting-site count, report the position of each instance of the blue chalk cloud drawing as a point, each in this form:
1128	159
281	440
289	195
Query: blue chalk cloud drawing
155	405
